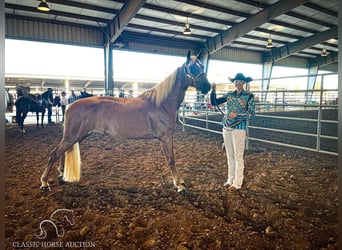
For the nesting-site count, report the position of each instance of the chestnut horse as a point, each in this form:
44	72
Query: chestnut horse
151	115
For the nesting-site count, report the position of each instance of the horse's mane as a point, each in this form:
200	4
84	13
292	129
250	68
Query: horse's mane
161	91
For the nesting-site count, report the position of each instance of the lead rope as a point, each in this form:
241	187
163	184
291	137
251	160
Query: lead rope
218	107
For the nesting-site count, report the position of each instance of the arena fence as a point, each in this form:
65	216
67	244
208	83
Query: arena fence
285	118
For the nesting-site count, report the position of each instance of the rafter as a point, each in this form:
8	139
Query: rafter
276	54
251	23
123	17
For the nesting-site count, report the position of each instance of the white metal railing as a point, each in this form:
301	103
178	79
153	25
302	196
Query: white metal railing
196	112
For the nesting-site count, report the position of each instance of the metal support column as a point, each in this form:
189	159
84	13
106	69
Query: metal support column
205	59
108	61
311	83
266	75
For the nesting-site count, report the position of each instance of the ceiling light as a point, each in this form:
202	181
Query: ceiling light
43	6
269	42
324	52
332	40
187	30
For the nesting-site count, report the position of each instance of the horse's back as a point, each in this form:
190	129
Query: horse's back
22	100
98	100
115	116
31	102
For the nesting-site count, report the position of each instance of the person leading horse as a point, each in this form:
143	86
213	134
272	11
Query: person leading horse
48	97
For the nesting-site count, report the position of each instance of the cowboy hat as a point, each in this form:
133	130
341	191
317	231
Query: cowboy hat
240	77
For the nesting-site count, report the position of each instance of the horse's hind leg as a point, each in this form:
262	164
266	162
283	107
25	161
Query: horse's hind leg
61	170
22	119
55	154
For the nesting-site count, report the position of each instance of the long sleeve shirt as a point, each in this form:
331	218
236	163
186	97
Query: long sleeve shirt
242	104
72	98
64	101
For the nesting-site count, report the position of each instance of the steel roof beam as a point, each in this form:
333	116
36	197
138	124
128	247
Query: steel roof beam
297	15
321	61
52	21
123	17
251	23
57	13
214	7
186	14
276	54
175	23
86	85
82	6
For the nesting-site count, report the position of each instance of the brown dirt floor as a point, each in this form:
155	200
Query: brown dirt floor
126	199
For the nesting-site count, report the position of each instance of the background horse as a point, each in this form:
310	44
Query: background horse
151	115
33	103
85	94
9	103
56	101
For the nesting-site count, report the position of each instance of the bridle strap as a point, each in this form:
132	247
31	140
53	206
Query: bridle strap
190	76
195	78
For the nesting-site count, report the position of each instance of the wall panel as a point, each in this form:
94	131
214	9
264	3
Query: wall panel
52	32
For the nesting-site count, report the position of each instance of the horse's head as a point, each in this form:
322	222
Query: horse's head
57	101
194	71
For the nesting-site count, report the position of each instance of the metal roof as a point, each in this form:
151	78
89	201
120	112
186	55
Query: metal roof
299	29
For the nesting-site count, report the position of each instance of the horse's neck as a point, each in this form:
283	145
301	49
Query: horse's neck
33	97
46	95
176	96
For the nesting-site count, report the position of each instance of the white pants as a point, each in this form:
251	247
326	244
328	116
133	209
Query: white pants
234	142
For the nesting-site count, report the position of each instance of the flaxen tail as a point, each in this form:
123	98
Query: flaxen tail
72	164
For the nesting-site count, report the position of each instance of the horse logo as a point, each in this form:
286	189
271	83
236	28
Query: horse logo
56	219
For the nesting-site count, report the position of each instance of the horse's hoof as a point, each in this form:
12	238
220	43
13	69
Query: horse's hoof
45	189
60	180
184	192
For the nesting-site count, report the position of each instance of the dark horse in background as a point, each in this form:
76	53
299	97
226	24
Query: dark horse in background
85	94
151	115
36	103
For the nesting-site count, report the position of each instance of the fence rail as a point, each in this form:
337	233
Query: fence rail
311	127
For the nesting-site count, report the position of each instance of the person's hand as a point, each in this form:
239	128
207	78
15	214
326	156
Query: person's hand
232	115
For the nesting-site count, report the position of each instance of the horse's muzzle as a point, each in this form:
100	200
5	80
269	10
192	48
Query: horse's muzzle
203	85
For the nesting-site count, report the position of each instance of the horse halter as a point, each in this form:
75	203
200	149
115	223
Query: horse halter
188	74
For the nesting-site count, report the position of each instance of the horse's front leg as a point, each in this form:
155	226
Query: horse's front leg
167	145
37	117
19	119
42	122
21	122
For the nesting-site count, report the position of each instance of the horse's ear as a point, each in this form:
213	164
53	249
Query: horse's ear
199	56
188	56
